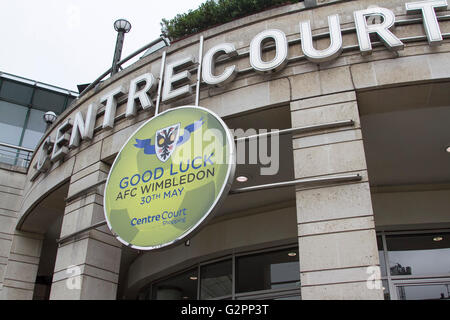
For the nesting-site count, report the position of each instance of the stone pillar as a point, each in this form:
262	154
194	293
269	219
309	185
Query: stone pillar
87	266
22	266
19	251
337	240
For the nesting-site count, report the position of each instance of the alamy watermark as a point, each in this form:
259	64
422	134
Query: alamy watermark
252	146
73	282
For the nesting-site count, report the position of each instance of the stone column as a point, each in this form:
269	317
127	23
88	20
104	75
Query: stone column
19	251
22	266
337	240
87	266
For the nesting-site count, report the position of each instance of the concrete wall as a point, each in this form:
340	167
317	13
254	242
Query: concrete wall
412	209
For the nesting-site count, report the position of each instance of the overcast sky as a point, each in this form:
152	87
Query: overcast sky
70	42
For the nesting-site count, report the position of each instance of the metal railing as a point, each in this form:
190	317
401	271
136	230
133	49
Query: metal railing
124	60
15	155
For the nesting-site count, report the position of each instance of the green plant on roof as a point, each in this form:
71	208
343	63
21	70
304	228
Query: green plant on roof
212	13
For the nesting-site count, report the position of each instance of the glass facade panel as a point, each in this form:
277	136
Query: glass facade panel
69	101
425	254
16	92
271	270
216	280
48	101
180	287
381	256
35	129
424	292
12	119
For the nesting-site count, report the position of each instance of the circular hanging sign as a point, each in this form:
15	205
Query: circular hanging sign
169	177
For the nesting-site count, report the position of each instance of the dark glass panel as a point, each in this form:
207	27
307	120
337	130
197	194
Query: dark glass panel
16	92
35	129
425	254
270	270
179	287
12	119
48	101
424	292
216	280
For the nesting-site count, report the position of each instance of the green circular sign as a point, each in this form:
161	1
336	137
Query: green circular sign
169	177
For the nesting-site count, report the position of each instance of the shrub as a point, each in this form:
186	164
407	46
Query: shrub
212	13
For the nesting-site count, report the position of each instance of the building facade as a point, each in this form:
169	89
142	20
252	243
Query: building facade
351	197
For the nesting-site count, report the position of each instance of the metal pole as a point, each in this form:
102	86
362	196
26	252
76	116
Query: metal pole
323	126
117	52
199	71
161	76
298	182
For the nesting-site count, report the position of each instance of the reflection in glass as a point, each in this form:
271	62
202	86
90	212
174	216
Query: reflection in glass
180	287
12	119
387	295
381	256
216	280
271	270
16	92
35	129
424	292
419	254
48	101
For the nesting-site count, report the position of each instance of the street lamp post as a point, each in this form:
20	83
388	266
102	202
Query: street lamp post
122	26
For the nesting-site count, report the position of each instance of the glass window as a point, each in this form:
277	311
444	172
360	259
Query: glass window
180	287
69	101
12	119
381	256
385	288
426	254
216	280
16	92
424	292
48	101
35	129
271	270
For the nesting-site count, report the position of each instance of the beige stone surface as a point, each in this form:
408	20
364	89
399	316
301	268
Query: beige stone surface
334	226
323	100
87	157
96	260
251	97
325	277
330	203
338	250
326	138
341	291
325	114
329	159
401	70
82	218
86	182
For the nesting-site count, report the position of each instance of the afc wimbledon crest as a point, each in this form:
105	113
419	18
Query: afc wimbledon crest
166	141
